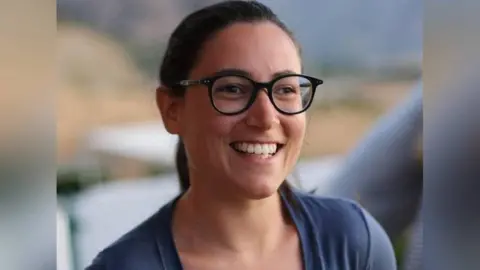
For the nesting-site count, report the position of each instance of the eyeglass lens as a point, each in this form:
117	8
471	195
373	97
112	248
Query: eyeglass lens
290	94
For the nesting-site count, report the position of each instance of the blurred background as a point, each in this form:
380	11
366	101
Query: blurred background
114	158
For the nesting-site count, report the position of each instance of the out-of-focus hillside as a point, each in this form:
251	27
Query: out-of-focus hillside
142	26
97	85
89	61
336	128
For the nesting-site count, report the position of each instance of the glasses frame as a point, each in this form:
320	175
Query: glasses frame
258	86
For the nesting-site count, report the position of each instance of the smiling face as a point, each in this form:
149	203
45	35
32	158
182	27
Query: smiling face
249	154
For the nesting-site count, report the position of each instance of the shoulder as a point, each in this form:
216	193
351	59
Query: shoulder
343	223
139	248
346	213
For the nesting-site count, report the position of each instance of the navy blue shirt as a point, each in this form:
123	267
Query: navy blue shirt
335	234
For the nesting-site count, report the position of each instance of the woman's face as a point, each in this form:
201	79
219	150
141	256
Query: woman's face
215	142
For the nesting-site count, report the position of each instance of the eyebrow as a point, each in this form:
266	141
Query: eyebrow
241	72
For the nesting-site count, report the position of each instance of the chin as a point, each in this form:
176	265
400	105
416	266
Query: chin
258	192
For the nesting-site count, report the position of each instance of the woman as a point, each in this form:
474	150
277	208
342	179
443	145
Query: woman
231	89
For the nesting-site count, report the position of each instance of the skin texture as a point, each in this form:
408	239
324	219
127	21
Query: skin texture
231	217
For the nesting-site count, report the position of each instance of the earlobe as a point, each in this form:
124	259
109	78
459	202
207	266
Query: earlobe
169	109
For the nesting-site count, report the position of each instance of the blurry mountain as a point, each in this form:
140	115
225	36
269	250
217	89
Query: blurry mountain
374	34
89	61
368	34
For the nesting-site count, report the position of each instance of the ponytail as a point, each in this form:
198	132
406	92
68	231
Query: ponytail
181	163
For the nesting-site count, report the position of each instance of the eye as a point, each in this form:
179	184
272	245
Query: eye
230	89
285	90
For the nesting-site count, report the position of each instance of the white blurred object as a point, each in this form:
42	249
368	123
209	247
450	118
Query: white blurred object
64	255
148	142
316	174
107	211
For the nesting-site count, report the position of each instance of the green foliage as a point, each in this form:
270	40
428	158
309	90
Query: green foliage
156	170
72	181
399	248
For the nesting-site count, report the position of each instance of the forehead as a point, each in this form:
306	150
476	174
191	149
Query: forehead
261	49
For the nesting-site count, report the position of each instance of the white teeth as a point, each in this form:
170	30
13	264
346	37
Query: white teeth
264	149
272	148
243	147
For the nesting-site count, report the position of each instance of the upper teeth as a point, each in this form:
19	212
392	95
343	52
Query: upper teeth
257	148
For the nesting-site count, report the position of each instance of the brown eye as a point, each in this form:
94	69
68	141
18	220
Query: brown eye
285	90
230	89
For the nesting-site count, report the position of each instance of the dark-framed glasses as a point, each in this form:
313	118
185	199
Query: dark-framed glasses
234	94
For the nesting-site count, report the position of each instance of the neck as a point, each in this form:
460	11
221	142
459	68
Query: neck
206	221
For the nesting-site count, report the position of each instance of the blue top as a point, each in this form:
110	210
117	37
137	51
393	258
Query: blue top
335	234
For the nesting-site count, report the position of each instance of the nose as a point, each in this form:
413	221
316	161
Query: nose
262	114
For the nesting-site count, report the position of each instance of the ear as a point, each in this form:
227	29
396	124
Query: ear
170	109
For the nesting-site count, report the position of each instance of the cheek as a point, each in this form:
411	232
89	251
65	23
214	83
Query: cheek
201	123
208	141
195	113
295	128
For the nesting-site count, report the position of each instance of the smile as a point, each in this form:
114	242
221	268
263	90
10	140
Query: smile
261	149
